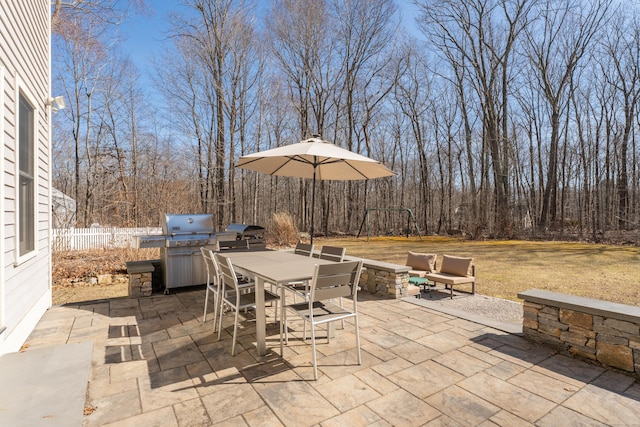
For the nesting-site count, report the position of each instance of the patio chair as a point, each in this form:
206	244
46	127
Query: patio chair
235	298
332	253
303	249
232	245
300	288
330	281
213	284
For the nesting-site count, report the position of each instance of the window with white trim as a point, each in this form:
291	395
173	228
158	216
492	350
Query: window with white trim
26	179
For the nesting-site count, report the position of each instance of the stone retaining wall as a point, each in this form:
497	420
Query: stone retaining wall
604	332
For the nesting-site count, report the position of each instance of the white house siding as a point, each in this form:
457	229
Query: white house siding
25	58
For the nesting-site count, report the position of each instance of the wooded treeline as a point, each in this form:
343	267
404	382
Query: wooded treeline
503	118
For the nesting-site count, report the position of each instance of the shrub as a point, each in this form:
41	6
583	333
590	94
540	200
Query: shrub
282	230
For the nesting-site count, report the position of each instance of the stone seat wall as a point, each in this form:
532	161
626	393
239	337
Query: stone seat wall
604	332
383	278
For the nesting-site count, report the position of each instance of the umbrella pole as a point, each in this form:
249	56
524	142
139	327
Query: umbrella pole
313	201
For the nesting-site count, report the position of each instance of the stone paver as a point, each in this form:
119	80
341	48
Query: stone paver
565	417
611	408
297	403
347	392
401	408
544	386
426	378
155	363
516	400
464	407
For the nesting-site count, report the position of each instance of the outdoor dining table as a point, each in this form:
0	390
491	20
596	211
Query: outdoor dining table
275	267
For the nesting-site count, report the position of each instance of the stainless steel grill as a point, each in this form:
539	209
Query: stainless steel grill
180	258
253	233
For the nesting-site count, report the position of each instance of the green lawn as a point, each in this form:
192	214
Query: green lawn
506	267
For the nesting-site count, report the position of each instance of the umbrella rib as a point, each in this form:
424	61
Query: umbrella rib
291	159
273	172
329	161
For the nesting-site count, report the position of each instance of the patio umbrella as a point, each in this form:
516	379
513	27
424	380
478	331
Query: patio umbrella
315	159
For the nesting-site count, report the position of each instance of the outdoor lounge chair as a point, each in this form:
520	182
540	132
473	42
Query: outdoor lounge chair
330	281
421	263
455	271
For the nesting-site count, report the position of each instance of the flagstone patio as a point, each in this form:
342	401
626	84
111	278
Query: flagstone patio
155	363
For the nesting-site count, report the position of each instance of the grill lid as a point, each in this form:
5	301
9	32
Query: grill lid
176	224
243	228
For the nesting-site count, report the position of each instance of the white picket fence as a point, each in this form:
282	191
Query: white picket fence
69	239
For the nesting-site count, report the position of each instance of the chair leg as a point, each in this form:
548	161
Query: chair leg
221	308
235	333
283	330
217	308
206	301
283	317
313	350
358	340
275	314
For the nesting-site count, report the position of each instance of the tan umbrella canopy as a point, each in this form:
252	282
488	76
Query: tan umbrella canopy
315	159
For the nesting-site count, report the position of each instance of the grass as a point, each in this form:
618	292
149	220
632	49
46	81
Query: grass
504	268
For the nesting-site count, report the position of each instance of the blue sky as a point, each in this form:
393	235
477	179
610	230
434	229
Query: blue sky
146	34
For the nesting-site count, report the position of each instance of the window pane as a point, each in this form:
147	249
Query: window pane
26	192
26	216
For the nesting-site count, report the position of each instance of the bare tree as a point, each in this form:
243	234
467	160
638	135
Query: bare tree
621	68
365	31
555	48
83	62
484	34
304	51
412	95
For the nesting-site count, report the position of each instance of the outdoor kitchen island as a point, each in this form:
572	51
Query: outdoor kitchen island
183	235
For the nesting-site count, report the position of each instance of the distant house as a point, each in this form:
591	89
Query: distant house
63	209
25	174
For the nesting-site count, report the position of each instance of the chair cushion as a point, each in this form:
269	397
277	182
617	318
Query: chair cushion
420	261
457	266
450	279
